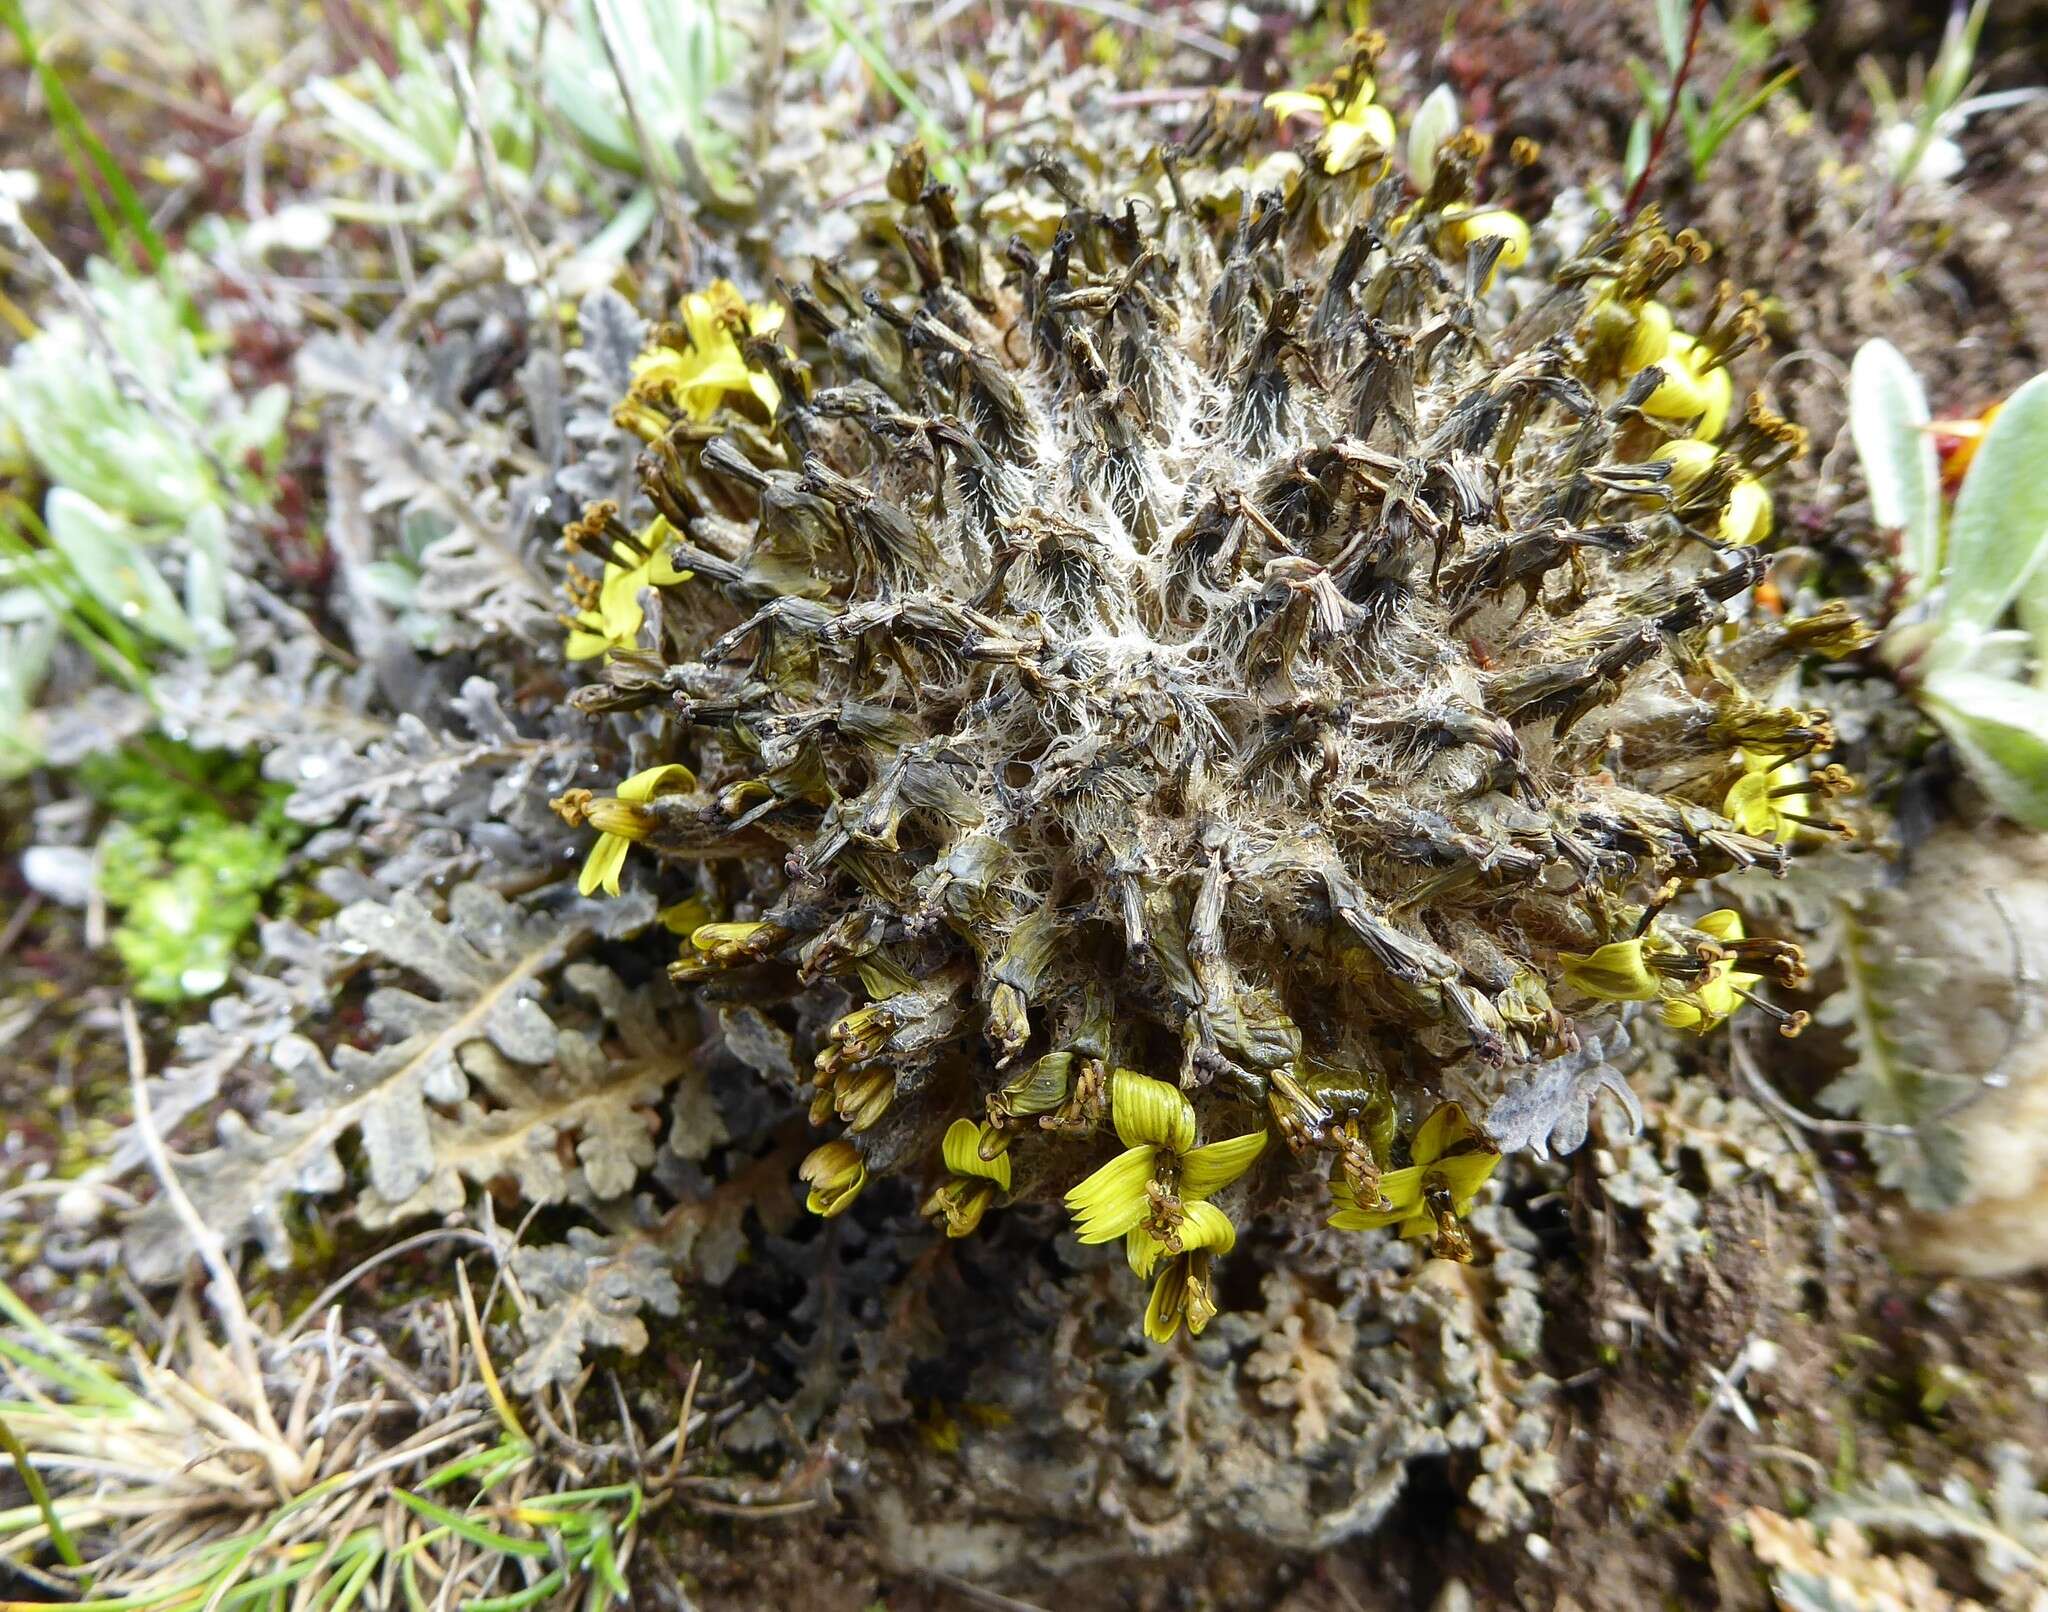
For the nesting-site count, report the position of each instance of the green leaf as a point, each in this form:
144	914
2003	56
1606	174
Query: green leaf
1955	60
878	63
91	162
346	1586
68	602
474	1532
2033	607
1672	20
539	1590
1694	122
107	556
364	128
2001	729
84	1380
1727	122
32	1480
1999	532
1435	121
1654	93
1638	156
1888	418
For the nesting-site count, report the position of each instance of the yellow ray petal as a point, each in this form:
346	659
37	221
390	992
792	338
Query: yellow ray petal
962	1151
1723	923
1112	1200
665	779
1147	1111
1466	1174
1400	1191
1614	973
1445	1127
1206	1226
1207	1170
1292	103
1650	339
1168	1305
602	867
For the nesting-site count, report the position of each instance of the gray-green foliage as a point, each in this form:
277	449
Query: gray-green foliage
89	432
145	443
536	72
588	1292
28	637
1896	1084
481	1008
2004	1527
1961	578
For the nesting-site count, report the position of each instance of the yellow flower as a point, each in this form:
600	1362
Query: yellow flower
1747	519
1650	338
1161	1171
1718	992
728	944
1693	388
614	619
973	1180
710	365
1466	227
619	825
685	917
1690	459
1617	972
1452	1158
835	1174
1353	128
1186	1286
1765	799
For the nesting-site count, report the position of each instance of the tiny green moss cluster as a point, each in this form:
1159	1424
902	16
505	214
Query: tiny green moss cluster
1242	649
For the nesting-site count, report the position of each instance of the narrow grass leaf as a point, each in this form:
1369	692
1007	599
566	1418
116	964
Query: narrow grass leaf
539	1590
87	154
475	1532
32	1481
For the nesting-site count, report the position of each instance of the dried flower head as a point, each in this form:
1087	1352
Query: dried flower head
1268	644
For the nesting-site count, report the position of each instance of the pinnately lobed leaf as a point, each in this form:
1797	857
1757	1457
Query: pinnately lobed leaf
483	963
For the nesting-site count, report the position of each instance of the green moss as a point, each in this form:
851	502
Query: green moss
198	843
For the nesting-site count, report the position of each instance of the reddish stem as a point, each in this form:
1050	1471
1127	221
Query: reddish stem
1657	140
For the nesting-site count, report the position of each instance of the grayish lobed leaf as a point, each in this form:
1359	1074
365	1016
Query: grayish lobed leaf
587	1293
1552	1109
2006	1528
486	961
1893	1081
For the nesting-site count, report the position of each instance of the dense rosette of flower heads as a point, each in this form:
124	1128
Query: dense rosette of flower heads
1264	641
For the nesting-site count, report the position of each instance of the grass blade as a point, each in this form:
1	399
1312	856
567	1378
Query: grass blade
32	1480
539	1590
88	155
475	1532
